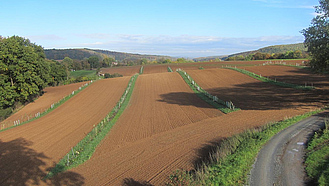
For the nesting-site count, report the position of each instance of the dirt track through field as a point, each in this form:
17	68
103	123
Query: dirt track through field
27	151
51	96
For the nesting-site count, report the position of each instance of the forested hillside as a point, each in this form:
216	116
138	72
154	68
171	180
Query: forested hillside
80	54
275	49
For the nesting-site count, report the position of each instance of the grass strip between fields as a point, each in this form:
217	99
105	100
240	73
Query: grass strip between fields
52	107
274	82
141	70
231	163
224	106
86	147
169	69
317	157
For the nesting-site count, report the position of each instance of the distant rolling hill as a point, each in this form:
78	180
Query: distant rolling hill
269	49
275	49
79	54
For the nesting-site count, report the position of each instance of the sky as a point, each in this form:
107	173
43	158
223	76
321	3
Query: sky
178	28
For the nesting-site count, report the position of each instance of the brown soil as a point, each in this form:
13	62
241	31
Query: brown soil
143	147
151	69
291	75
28	151
51	96
165	127
125	71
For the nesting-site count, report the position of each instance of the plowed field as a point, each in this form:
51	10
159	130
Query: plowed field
151	69
160	102
131	154
291	75
125	71
27	151
250	94
51	96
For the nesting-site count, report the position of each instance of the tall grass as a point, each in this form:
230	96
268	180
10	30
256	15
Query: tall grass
234	157
317	157
224	106
86	147
274	82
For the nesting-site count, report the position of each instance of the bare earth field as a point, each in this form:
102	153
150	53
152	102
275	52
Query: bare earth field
125	71
151	69
51	95
291	75
28	151
145	149
164	128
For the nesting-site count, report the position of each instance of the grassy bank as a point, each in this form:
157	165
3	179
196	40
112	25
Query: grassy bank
274	82
224	106
317	157
234	157
86	147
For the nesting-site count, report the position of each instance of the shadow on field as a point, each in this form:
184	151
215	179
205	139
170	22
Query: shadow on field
21	165
265	96
132	182
203	154
184	98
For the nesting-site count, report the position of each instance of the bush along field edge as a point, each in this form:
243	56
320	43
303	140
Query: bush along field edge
231	163
141	70
317	157
86	147
268	80
51	108
224	106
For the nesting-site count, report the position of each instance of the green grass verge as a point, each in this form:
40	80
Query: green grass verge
86	147
169	69
274	82
231	163
204	95
141	70
87	73
317	157
52	107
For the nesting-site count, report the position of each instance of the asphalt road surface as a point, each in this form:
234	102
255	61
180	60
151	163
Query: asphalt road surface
280	162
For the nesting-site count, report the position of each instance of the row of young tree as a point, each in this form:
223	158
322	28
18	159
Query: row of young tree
25	72
264	56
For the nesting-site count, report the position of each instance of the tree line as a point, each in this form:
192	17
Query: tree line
24	73
297	54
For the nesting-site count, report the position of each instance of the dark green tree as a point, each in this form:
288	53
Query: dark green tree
23	69
93	61
317	37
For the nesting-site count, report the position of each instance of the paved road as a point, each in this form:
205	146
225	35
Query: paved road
280	162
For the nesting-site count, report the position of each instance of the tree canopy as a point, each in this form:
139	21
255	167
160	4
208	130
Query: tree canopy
24	72
317	37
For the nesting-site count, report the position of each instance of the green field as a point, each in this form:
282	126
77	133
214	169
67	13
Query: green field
78	73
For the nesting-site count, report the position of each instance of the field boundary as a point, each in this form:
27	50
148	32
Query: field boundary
51	108
233	160
169	69
86	147
224	106
268	80
141	70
